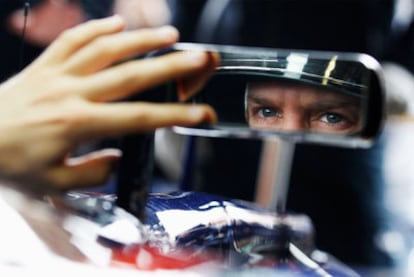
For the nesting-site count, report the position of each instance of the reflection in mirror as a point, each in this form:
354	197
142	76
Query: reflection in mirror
295	107
305	96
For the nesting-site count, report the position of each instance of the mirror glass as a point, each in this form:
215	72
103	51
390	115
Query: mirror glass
304	96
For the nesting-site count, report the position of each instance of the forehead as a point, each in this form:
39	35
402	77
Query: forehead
274	86
274	91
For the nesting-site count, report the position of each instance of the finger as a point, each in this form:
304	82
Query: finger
108	153
107	50
90	170
127	78
75	38
124	118
188	86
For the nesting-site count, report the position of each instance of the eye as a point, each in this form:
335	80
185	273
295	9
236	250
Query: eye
267	112
332	118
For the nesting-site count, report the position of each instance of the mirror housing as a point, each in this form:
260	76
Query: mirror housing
354	74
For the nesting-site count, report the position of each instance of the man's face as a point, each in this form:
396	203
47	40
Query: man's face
46	20
289	107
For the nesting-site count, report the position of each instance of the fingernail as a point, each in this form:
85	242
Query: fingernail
168	32
196	112
196	57
115	19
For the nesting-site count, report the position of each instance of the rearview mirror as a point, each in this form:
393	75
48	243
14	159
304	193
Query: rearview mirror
303	96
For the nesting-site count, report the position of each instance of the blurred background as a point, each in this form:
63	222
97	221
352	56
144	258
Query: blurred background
360	201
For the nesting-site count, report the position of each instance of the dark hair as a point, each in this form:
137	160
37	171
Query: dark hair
7	6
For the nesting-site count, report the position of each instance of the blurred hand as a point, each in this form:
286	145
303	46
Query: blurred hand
64	99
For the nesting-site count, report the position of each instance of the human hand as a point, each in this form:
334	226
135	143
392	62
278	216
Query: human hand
63	99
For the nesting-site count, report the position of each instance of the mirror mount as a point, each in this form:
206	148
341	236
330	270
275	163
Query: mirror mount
273	179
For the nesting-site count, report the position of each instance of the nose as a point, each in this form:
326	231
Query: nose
293	122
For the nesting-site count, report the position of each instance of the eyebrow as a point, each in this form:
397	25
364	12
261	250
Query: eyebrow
259	100
326	104
335	104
